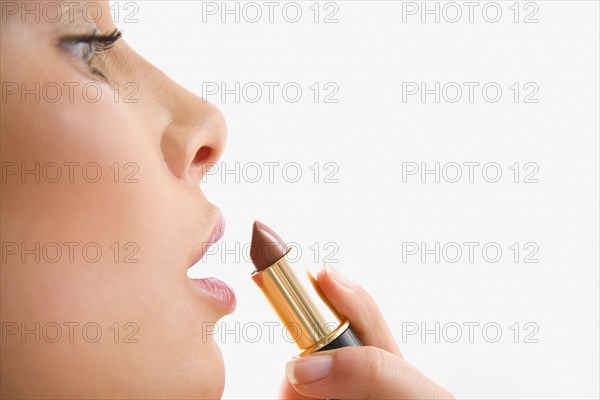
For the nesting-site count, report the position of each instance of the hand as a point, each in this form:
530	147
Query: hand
376	370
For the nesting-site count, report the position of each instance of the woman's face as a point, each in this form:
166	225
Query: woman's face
84	254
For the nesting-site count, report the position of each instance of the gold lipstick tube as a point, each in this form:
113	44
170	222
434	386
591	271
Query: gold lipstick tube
298	301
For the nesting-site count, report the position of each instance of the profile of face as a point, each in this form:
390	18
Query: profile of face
102	215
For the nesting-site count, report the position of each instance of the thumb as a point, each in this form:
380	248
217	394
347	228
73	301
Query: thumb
360	373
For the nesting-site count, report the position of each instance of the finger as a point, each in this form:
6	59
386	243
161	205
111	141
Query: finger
287	392
354	303
360	373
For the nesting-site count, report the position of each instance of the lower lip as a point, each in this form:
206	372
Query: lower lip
217	292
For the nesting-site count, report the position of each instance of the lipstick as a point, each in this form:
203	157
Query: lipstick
296	298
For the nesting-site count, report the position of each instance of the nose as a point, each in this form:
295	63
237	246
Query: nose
194	133
191	131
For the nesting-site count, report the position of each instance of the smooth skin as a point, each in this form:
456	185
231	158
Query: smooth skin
171	135
162	212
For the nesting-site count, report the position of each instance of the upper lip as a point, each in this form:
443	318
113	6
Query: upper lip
218	230
216	235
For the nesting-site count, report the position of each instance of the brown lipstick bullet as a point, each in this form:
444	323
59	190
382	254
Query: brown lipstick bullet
297	299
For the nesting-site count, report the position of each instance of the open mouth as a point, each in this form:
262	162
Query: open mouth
212	289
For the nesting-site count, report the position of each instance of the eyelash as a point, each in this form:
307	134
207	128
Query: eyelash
98	43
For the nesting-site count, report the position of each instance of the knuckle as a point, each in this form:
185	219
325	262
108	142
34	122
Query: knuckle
374	362
372	367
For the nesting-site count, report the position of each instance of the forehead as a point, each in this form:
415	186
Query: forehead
57	12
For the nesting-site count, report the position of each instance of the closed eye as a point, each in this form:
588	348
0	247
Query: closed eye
85	47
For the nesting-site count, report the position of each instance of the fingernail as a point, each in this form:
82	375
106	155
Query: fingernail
308	369
338	277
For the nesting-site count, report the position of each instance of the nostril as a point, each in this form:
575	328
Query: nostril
202	155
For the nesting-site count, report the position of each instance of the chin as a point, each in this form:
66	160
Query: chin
209	382
217	384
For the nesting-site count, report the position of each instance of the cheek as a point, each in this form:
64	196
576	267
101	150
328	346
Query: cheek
84	170
114	193
90	184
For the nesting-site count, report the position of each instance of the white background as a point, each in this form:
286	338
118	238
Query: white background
369	133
